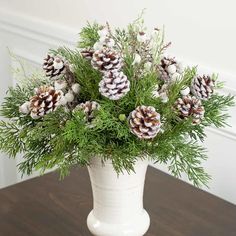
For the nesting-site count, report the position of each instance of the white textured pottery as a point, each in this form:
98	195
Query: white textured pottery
117	200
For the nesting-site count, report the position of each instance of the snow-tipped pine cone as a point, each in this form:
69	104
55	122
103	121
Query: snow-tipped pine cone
144	122
54	66
46	100
88	108
87	53
107	59
114	85
169	69
203	87
190	107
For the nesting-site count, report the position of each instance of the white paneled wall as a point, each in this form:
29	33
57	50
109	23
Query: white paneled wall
30	38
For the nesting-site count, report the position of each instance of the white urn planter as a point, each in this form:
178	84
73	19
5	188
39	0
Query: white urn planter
117	200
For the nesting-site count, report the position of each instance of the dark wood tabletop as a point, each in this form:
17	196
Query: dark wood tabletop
45	206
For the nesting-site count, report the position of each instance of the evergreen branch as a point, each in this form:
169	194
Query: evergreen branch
63	138
10	138
89	35
215	110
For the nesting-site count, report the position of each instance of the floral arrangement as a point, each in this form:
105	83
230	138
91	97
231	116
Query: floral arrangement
117	96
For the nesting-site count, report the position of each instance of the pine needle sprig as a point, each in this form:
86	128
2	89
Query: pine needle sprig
65	137
216	110
89	35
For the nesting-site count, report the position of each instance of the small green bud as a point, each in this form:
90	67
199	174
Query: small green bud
122	117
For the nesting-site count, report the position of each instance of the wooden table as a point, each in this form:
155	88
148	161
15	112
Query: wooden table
45	206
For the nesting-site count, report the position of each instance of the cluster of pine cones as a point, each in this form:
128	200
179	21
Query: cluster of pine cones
64	92
190	104
105	58
144	121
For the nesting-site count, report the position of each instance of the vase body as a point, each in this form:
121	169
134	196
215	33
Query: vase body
117	200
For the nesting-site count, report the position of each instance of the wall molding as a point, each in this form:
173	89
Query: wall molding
55	34
37	29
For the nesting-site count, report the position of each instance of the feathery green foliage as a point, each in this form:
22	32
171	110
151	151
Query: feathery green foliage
62	138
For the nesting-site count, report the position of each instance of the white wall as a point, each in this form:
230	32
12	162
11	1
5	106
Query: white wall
202	32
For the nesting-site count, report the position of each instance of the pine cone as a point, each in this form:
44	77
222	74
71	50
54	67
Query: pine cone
54	66
114	85
87	53
88	107
106	59
202	87
46	100
188	106
145	122
169	69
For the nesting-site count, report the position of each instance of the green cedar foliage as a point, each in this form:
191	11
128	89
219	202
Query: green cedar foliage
62	139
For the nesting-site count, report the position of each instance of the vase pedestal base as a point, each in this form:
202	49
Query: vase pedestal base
137	227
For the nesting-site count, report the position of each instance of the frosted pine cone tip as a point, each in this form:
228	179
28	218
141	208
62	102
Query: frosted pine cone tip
145	122
54	66
46	100
203	87
189	106
106	59
88	108
87	53
114	85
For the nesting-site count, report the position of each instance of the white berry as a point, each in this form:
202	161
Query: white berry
111	43
164	98
171	69
180	67
185	91
147	65
98	45
75	88
137	59
60	84
25	108
36	90
58	63
175	77
142	37
69	97
103	32
63	101
34	116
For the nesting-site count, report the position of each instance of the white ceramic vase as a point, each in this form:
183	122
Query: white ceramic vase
117	200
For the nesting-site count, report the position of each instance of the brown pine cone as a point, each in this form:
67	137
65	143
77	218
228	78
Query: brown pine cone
188	106
54	66
106	59
46	100
203	87
144	122
169	69
87	53
88	108
114	85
